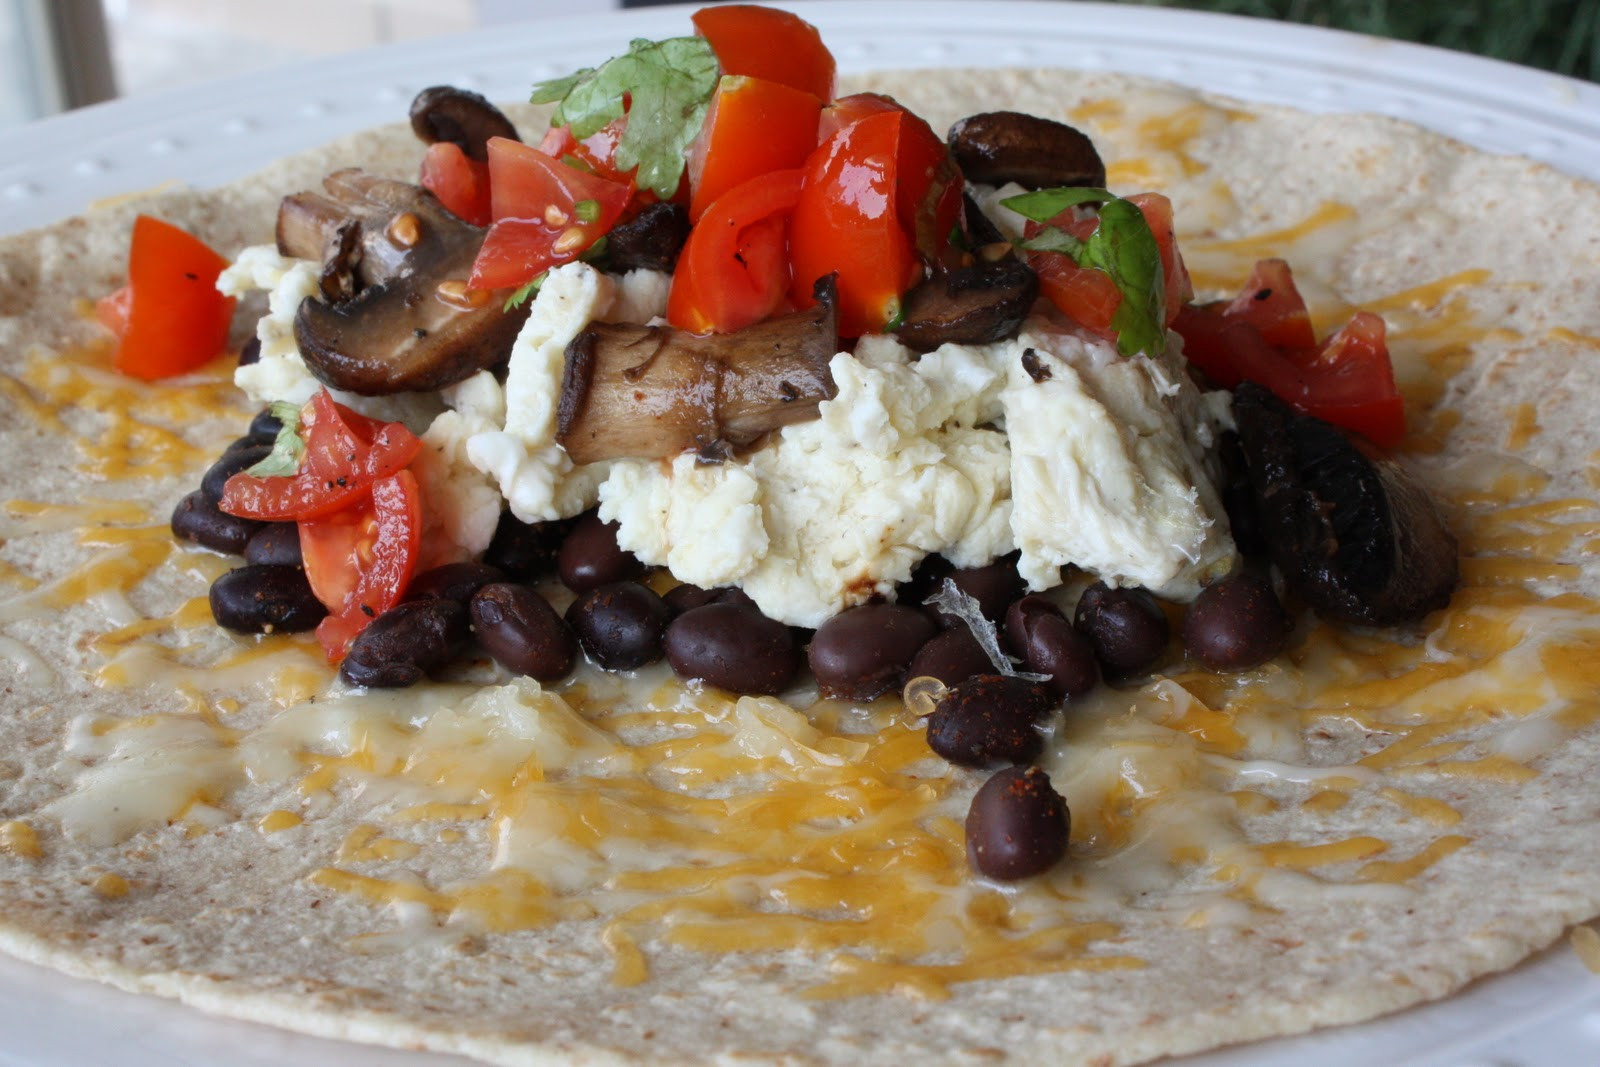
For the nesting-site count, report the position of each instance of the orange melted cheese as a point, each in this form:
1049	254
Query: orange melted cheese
683	817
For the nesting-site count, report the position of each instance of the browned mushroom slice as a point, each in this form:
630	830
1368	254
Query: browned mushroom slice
651	240
969	306
396	218
396	263
465	119
996	147
1354	535
652	392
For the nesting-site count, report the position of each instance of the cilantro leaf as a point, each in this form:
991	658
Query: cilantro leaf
667	87
287	447
522	294
1122	246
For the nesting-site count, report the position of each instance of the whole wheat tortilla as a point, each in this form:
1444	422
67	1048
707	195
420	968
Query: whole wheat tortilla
227	920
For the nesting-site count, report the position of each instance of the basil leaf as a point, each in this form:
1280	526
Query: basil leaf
1054	240
1042	205
668	85
287	447
1124	248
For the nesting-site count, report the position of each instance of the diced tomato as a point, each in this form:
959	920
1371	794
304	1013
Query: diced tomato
847	222
169	318
928	184
545	213
460	183
1157	210
1271	303
1348	380
753	126
763	42
732	271
360	560
346	453
1087	296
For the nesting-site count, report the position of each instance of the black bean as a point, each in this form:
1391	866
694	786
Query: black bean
262	598
250	352
953	656
864	651
680	598
1127	628
276	542
453	581
264	427
523	633
734	646
989	719
1018	825
232	462
1236	624
685	597
197	518
590	556
407	643
525	550
994	586
1049	644
620	625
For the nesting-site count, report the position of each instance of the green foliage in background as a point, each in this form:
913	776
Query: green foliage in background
1558	35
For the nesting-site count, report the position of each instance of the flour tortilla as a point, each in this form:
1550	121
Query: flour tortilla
226	921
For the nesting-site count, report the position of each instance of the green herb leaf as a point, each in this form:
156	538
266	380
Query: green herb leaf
668	85
1121	245
587	211
1042	205
1054	240
1124	248
517	298
287	447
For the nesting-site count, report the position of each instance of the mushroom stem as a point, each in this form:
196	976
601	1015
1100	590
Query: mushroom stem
652	392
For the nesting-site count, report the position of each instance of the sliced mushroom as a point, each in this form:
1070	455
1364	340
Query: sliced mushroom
651	240
981	229
409	322
969	305
653	392
464	118
1353	533
996	147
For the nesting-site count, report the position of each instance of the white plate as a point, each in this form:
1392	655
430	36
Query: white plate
1546	1012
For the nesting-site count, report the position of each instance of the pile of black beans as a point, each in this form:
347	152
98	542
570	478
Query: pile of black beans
269	594
1017	825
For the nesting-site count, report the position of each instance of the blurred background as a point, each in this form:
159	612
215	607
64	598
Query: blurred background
58	54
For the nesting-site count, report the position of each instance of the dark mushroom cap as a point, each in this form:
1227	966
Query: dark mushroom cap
972	305
996	147
464	118
1353	533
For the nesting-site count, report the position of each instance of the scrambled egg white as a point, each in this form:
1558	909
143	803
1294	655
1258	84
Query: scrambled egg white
1072	455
